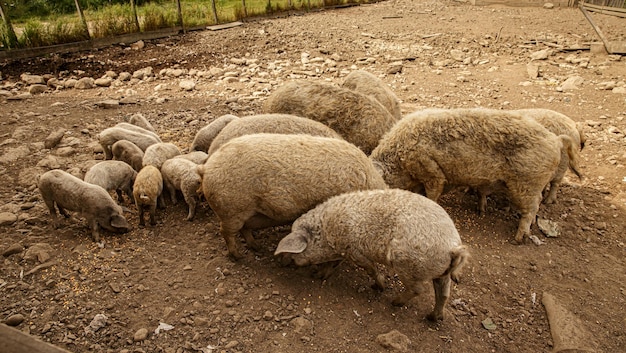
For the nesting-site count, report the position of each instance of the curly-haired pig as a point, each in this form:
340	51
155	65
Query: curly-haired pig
204	137
94	203
147	190
113	176
182	174
435	148
141	121
109	136
129	153
409	234
262	180
370	85
358	118
158	153
271	124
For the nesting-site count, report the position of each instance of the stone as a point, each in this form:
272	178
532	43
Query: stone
70	83
15	153
40	252
394	340
49	162
108	104
138	45
14	320
231	345
549	228
456	54
7	218
65	151
619	90
268	315
103	82
99	321
187	85
13	249
607	85
85	83
572	83
32	79
111	74
54	83
54	138
540	55
37	89
140	335
124	76
302	325
548	5
532	70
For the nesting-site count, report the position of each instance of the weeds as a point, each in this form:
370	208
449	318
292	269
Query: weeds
111	21
118	19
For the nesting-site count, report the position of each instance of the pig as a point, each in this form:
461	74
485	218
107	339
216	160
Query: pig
408	233
113	176
94	203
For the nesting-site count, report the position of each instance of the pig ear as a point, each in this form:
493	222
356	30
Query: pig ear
200	170
294	243
118	221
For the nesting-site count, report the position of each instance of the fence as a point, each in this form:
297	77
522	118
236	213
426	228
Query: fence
122	23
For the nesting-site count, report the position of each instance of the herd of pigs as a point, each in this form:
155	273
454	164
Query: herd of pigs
345	167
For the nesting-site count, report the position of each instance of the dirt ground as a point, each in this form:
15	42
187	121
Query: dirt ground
444	54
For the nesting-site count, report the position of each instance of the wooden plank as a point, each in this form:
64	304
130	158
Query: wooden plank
519	3
16	341
605	10
87	45
225	26
595	27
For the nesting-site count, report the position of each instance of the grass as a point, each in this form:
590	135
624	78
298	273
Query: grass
118	19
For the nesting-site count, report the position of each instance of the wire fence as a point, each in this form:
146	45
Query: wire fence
128	18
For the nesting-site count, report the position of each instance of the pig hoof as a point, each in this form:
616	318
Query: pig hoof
434	317
377	287
397	302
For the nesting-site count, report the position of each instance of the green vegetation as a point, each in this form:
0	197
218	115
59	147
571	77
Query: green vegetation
41	23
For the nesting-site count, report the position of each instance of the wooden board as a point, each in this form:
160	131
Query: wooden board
16	341
225	26
606	10
87	44
522	3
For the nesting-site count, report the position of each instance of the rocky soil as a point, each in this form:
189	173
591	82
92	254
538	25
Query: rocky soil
171	288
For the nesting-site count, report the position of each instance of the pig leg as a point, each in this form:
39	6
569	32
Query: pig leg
107	151
129	192
370	267
190	199
142	222
120	197
229	229
95	229
53	212
153	213
172	191
528	208
442	293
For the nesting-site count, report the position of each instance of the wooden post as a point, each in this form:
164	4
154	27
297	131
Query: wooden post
12	40
134	9
82	18
180	15
215	19
245	10
12	340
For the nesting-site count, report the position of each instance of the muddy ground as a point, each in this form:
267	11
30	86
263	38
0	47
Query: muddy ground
432	54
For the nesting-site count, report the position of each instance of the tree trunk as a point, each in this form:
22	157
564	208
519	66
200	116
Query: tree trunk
134	9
